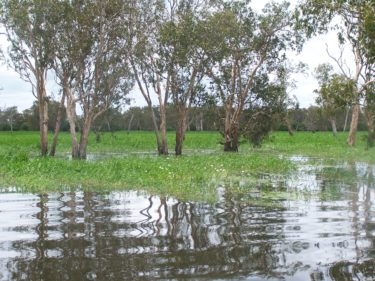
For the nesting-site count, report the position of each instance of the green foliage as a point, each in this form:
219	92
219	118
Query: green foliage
370	139
30	34
357	28
369	31
258	127
336	92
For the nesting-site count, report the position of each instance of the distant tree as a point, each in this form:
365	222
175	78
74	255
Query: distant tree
10	119
297	116
205	113
110	121
31	117
314	119
211	113
281	101
335	92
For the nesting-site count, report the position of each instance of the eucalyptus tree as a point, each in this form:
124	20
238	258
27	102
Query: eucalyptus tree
180	41
29	30
144	22
355	28
166	61
240	44
279	99
9	116
335	92
88	62
71	44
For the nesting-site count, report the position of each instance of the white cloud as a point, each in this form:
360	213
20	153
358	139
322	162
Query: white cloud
15	91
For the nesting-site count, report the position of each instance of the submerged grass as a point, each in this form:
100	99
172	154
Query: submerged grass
192	177
189	177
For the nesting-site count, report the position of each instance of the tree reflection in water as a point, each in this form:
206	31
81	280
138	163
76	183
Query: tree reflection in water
132	236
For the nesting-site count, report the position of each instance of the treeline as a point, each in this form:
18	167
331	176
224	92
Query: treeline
184	56
311	119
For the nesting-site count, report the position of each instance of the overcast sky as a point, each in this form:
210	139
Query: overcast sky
16	92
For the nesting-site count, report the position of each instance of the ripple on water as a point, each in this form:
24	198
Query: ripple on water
135	236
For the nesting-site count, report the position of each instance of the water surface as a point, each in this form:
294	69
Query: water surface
327	235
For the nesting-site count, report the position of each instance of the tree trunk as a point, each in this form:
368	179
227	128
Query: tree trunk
370	120
10	122
130	123
71	116
109	126
163	149
85	131
43	114
346	119
161	145
155	124
231	139
354	125
57	126
231	132
181	130
289	126
201	121
333	125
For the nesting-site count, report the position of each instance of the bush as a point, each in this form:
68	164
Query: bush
258	128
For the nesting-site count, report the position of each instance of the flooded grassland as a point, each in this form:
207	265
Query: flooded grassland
315	222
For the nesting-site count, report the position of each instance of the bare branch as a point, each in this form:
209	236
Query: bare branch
340	63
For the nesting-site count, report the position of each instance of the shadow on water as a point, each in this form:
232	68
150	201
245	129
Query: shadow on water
135	236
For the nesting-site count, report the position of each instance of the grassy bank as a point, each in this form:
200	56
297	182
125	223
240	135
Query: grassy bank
136	165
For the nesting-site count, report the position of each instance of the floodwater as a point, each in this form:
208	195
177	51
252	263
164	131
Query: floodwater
325	230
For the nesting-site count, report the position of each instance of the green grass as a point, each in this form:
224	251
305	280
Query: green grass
322	145
194	176
117	142
189	177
